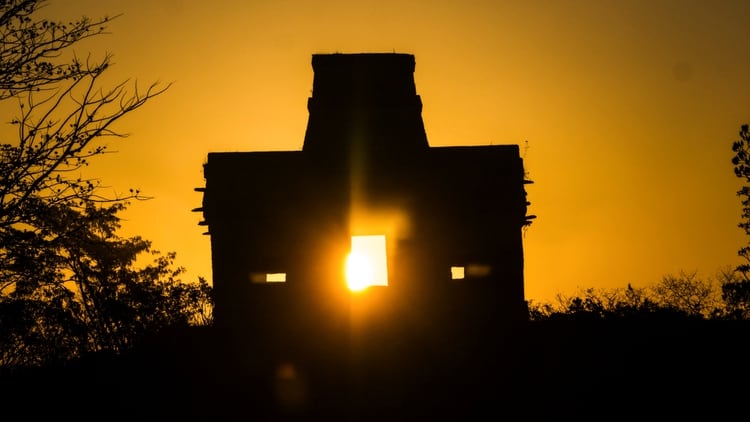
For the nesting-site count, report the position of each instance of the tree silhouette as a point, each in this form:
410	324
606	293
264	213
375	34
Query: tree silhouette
77	289
685	294
599	304
68	284
682	296
737	293
689	294
63	114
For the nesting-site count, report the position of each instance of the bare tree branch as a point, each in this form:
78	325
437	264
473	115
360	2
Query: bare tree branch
30	48
64	115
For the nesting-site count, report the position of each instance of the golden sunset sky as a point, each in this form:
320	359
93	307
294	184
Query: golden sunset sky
625	112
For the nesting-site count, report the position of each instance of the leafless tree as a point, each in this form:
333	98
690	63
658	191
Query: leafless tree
64	117
688	293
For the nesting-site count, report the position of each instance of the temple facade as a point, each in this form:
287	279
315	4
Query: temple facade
448	220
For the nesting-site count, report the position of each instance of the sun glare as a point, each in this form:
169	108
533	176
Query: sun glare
366	264
359	272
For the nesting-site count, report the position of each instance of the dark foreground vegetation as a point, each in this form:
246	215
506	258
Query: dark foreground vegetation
663	366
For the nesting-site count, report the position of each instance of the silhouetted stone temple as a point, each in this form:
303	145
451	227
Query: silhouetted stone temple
450	219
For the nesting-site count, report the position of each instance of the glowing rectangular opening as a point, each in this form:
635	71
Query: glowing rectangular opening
367	263
262	277
276	278
457	273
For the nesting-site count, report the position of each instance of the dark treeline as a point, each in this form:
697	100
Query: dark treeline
603	354
686	295
648	365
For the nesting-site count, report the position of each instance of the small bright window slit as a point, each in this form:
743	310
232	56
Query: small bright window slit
367	264
276	278
263	277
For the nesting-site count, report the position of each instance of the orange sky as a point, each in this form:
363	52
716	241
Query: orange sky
625	111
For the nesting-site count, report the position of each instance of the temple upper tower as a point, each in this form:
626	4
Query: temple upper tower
364	103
